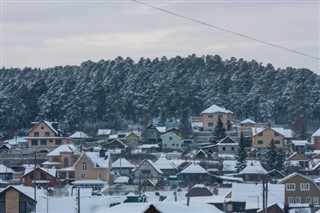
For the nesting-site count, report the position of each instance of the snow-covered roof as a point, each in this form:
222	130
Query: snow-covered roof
214	108
287	133
227	141
79	135
247	121
253	167
316	134
229	165
161	129
152	164
64	148
16	140
197	124
80	182
52	171
252	194
299	142
102	162
27	190
164	163
49	124
5	169
104	132
122	162
121	179
194	168
148	146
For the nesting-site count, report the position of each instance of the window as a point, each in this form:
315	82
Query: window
58	142
2	207
224	148
290	200
315	200
170	138
210	124
47	134
43	142
220	116
43	176
66	162
260	134
260	142
99	176
304	186
172	145
84	166
298	200
36	134
232	148
34	142
276	134
22	207
82	176
309	200
210	116
165	145
290	186
276	142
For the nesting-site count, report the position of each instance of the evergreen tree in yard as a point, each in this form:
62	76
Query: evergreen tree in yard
241	157
219	131
273	158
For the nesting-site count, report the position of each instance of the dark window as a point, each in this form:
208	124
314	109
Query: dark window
276	142
66	162
210	124
260	134
47	134
260	142
36	134
58	142
43	142
232	148
210	116
276	134
2	207
170	138
43	176
22	207
34	142
223	148
84	166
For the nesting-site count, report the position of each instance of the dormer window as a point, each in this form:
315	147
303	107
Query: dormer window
36	134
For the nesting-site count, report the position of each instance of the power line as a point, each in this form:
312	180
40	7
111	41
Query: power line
225	30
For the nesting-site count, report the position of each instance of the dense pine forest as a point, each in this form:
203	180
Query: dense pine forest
115	93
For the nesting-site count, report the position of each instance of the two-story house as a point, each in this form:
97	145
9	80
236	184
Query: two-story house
300	189
45	135
227	146
171	142
211	115
262	137
145	171
151	134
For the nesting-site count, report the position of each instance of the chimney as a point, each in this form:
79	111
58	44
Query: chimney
102	153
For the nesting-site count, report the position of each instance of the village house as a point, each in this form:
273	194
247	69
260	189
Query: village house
211	115
44	134
171	142
300	189
132	139
17	199
43	177
152	134
253	172
6	173
63	158
262	137
166	166
192	174
122	167
296	162
227	146
145	171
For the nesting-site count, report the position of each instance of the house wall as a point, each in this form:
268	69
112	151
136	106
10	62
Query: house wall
316	140
12	203
91	172
267	136
227	149
297	180
132	139
209	123
146	171
171	141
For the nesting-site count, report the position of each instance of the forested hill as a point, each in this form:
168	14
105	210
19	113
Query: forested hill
114	92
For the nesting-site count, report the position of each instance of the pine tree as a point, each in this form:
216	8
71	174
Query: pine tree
273	158
219	131
241	157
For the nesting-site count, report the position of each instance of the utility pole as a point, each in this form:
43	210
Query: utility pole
35	182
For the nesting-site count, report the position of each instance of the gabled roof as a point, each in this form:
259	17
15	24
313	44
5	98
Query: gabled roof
287	133
199	190
116	141
214	108
49	124
297	156
247	121
171	133
25	190
253	167
96	160
152	164
79	135
161	129
227	141
316	134
104	132
194	168
5	169
64	148
297	174
122	162
52	172
164	163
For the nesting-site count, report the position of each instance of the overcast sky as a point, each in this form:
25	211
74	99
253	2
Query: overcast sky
50	33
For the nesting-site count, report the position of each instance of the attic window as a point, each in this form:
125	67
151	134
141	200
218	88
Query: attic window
42	127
